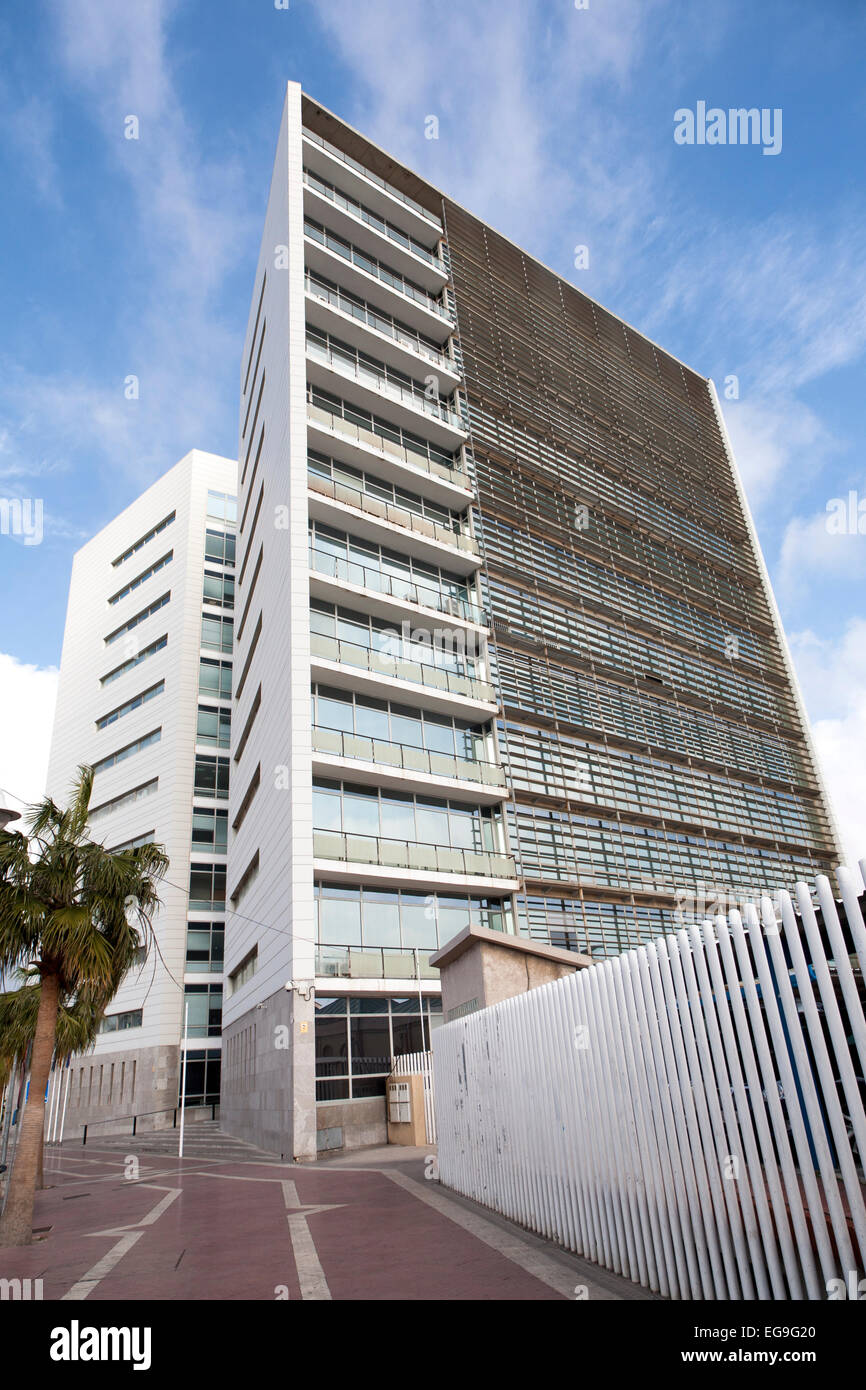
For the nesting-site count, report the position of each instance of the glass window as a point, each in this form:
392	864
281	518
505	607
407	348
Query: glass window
361	813
439	735
327	810
202	1077
205	1010
408	1036
332	1046
381	920
431	821
371	1044
334	713
418	917
371	718
339	917
398	816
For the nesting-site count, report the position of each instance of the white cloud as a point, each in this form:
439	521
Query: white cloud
527	138
811	553
27	697
833	679
190	226
772	438
785	298
29	128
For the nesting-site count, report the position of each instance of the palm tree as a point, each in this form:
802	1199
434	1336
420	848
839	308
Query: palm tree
75	916
77	1026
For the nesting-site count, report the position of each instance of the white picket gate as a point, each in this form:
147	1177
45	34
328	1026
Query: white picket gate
414	1064
689	1114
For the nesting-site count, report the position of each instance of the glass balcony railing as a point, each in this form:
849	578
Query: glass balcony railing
372	318
390	511
372	219
370	265
374	178
382	383
394	586
406	757
386	444
374	963
408	854
400	668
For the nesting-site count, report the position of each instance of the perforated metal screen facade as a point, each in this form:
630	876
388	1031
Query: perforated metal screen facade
649	728
650	733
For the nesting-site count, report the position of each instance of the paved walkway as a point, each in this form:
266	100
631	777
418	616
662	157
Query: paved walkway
129	1220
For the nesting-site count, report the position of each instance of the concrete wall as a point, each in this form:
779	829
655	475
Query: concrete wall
351	1124
489	973
106	1085
256	1075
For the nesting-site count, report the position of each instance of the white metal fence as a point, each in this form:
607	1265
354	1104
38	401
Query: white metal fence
420	1064
689	1114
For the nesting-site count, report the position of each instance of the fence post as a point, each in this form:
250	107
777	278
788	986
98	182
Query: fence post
670	1114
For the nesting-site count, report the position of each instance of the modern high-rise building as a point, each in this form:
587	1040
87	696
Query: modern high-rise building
145	697
506	649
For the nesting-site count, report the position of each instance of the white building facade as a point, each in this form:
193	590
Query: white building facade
358	574
144	697
505	649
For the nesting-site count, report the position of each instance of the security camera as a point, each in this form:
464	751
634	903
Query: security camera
304	988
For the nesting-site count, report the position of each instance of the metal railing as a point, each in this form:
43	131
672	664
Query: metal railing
371	219
401	668
373	318
336	421
143	1114
373	178
409	854
406	757
374	963
391	511
406	590
380	381
370	265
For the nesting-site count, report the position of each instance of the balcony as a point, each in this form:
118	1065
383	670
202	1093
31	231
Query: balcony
386	522
394	589
353	667
363	326
327	254
406	767
371	233
368	446
325	159
356	851
373	963
374	387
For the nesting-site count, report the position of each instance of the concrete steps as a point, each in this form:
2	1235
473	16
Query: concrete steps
202	1139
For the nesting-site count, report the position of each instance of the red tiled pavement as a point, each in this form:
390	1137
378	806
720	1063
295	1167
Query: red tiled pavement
226	1236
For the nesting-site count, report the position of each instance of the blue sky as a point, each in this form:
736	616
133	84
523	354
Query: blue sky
556	125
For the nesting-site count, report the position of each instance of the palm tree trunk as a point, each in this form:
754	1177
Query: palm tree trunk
16	1224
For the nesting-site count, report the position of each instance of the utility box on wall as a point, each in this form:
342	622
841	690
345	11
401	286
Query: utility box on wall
399	1103
406	1122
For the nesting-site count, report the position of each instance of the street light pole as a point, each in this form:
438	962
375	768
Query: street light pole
183	1075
